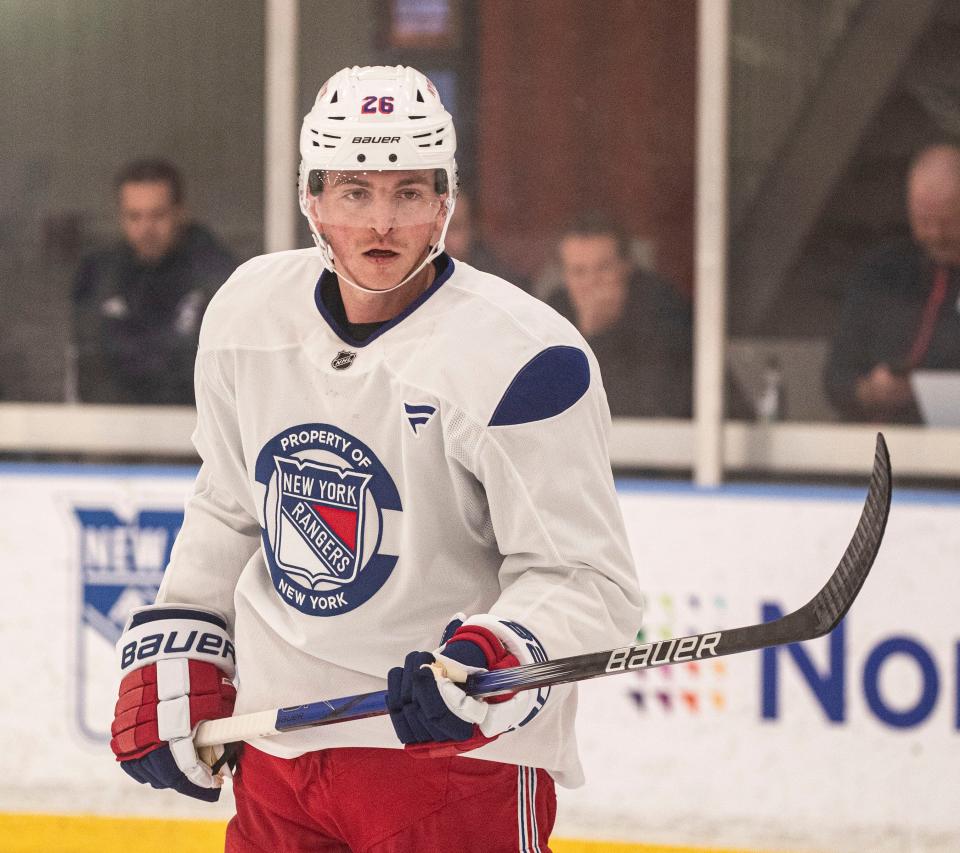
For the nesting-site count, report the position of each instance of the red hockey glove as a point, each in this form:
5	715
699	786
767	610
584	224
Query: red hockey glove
179	665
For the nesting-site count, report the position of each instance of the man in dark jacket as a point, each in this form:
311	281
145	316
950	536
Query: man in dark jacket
901	309
637	324
138	305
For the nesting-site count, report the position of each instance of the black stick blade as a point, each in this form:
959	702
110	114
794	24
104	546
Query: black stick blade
832	602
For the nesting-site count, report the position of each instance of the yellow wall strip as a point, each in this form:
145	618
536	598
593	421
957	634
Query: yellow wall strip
35	833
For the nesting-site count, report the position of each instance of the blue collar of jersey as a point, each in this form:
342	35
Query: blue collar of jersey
444	266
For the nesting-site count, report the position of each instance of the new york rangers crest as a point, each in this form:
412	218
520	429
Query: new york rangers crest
330	512
320	506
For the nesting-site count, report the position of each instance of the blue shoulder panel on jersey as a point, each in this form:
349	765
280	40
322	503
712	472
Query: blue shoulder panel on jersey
550	383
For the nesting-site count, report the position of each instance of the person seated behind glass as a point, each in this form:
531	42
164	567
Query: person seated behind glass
138	305
637	323
464	244
900	311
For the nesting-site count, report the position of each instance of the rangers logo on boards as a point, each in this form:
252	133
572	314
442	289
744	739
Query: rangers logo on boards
330	508
121	557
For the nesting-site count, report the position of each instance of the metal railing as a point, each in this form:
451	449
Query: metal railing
652	444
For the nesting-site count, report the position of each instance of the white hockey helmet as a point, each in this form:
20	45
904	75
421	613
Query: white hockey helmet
377	118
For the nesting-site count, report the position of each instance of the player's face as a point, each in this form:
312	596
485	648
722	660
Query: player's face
593	271
935	221
149	218
380	225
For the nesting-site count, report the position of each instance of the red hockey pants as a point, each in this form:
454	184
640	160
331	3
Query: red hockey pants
362	800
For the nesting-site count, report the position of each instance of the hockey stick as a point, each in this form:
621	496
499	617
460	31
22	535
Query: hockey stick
817	617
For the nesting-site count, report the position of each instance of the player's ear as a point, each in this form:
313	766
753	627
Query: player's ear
313	211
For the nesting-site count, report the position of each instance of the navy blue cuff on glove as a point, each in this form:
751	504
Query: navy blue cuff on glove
159	769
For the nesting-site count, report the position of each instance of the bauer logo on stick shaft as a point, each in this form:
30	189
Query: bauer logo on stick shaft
678	650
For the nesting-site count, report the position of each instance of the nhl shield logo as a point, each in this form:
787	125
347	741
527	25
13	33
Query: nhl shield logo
331	519
343	359
320	507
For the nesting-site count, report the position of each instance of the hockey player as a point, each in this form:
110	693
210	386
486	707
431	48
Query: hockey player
390	439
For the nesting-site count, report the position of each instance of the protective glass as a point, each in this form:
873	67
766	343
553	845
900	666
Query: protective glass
376	199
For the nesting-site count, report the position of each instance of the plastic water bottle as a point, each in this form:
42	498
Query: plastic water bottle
770	404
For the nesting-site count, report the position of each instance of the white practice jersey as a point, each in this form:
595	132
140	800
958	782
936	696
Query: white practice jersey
355	496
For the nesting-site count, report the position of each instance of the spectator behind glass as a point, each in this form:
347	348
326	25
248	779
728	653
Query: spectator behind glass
637	323
463	243
900	311
138	305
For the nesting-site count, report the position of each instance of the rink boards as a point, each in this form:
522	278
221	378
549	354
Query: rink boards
844	743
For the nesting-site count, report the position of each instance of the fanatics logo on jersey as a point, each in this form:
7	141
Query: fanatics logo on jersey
418	415
343	359
330	507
